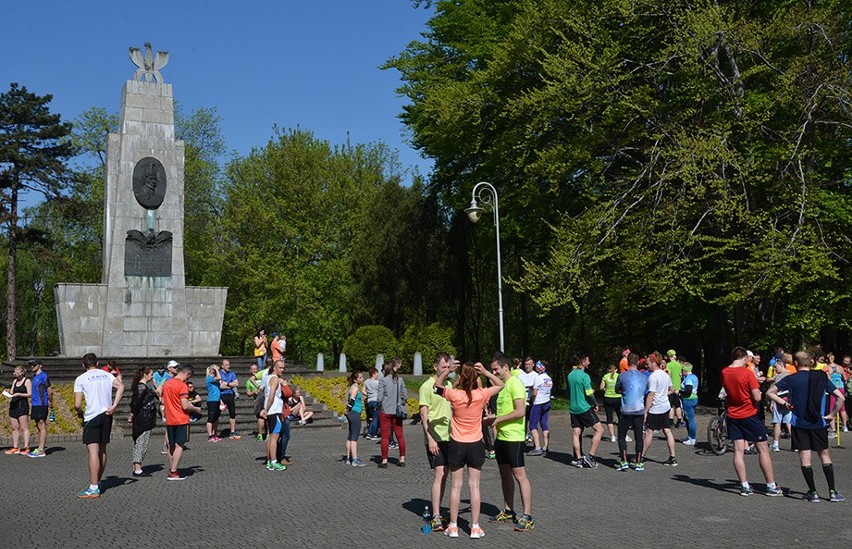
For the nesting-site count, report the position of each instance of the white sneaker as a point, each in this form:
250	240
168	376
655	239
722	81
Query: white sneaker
628	439
775	447
689	442
613	439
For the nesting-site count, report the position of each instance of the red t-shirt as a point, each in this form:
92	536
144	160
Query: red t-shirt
173	391
738	383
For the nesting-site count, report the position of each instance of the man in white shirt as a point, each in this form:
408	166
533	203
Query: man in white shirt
96	385
527	377
657	408
540	411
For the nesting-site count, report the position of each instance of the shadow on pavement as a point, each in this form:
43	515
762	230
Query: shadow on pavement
112	481
730	486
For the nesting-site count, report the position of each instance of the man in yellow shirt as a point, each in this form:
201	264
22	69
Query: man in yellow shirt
435	414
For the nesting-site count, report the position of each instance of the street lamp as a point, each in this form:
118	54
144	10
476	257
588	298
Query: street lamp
474	213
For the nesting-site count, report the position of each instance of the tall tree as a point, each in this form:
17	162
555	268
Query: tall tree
33	151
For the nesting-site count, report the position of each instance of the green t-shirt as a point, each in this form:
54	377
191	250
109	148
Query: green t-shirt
251	384
674	369
579	386
440	410
512	430
609	385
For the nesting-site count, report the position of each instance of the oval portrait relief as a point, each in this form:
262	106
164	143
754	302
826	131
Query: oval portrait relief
149	183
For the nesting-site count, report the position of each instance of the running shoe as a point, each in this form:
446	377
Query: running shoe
544	451
775	447
277	467
777	491
836	496
628	439
589	461
89	493
452	532
12	451
138	474
36	454
491	455
746	491
536	452
671	462
438	523
358	463
175	475
476	532
613	439
24	451
811	497
234	436
393	446
505	516
213	438
832	434
259	438
640	466
525	524
751	450
689	441
621	466
578	463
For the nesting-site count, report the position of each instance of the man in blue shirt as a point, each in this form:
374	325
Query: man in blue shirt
632	385
806	392
42	399
228	384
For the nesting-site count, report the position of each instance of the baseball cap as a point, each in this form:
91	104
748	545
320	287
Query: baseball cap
672	353
172	364
539	366
36	362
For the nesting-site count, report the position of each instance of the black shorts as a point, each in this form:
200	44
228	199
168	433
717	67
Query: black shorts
750	429
39	413
97	429
509	453
177	434
674	400
658	422
587	419
809	439
471	454
442	458
232	407
213	411
17	410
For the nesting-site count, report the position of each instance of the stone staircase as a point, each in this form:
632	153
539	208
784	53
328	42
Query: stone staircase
64	370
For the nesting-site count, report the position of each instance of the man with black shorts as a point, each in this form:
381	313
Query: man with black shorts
435	414
674	368
509	446
742	396
228	386
178	408
42	400
96	387
584	412
657	408
808	427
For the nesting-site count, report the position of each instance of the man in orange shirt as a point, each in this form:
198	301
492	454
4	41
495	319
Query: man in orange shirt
177	409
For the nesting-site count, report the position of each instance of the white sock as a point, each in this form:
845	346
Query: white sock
745	485
770	485
475	525
93	486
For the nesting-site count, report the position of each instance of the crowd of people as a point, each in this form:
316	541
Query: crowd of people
486	412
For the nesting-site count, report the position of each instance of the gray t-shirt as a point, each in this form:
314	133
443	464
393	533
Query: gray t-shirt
371	387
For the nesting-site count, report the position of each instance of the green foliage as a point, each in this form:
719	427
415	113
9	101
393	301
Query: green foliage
366	342
429	340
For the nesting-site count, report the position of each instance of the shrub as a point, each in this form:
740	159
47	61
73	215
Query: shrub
428	340
362	347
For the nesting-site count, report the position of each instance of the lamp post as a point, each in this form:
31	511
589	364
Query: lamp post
485	193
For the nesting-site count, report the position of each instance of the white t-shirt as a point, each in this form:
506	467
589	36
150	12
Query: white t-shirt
543	384
96	386
659	383
527	378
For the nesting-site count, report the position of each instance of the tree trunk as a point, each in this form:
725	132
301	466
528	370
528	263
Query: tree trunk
11	294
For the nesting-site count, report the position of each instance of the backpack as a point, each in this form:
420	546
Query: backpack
260	403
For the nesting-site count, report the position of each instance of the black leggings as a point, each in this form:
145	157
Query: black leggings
628	421
612	407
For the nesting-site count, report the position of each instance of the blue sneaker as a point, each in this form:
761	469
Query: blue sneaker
621	466
640	466
89	493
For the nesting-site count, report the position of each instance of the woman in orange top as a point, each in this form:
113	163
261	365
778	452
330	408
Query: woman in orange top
466	444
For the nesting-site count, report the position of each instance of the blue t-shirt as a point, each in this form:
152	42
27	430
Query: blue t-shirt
159	378
691	379
358	406
632	385
228	377
40	385
798	385
837	380
213	391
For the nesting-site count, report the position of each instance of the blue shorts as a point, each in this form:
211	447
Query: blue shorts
785	417
750	429
539	414
274	422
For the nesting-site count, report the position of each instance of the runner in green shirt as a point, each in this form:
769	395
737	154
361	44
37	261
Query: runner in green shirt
675	370
584	412
509	447
435	413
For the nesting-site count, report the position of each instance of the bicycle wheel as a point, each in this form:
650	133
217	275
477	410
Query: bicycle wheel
717	436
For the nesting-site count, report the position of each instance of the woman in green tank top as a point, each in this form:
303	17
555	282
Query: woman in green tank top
612	400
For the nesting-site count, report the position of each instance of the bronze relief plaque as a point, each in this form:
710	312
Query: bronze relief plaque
149	183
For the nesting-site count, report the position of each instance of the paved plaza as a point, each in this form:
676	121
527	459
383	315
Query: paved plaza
229	499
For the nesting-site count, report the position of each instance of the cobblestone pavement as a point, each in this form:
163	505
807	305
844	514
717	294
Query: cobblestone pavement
229	499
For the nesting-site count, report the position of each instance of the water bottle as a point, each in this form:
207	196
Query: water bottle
427	521
52	416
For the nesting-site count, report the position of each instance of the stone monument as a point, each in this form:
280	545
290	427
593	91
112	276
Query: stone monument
142	307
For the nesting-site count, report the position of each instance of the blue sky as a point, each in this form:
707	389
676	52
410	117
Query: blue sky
312	64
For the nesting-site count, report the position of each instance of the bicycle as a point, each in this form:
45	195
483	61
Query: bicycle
717	432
